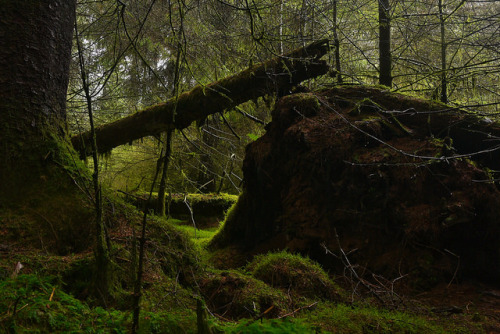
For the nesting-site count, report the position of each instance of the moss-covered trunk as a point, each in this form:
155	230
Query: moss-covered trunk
38	170
35	49
276	75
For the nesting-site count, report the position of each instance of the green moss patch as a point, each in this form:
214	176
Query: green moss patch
30	303
233	295
294	273
341	318
207	210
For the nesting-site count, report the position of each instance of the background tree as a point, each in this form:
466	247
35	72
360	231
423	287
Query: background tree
222	37
385	57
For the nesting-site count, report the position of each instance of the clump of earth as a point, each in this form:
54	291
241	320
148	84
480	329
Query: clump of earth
383	180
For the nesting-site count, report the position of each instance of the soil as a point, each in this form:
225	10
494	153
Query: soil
477	301
377	176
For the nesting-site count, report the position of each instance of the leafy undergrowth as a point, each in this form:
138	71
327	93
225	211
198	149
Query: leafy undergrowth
274	293
29	303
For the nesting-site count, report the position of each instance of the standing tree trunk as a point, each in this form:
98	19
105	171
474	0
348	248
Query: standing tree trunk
161	208
336	44
35	52
37	171
444	81
385	58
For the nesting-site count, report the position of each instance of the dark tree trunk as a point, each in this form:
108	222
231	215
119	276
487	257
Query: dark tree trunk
444	81
35	52
385	60
37	173
161	208
336	44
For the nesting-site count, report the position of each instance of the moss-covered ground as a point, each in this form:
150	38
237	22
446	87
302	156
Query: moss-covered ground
273	293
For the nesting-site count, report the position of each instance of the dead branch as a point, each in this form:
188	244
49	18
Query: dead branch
382	289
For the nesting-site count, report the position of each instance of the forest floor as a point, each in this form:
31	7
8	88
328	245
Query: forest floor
479	302
36	301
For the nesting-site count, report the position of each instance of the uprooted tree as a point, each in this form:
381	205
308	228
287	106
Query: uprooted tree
404	186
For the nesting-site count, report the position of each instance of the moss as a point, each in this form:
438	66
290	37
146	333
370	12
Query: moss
234	295
229	228
207	209
31	303
301	104
295	274
341	318
174	252
275	326
45	192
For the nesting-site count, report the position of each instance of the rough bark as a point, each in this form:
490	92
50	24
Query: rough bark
35	52
35	181
276	75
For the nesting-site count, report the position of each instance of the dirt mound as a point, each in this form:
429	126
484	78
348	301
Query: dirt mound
378	175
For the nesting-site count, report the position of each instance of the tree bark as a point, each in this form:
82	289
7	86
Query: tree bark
336	44
276	75
35	52
444	81
38	171
160	203
385	60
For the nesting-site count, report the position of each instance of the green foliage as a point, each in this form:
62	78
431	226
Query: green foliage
30	303
197	235
273	326
340	318
253	136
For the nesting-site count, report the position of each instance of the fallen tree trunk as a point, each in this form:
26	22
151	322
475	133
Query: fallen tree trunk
276	75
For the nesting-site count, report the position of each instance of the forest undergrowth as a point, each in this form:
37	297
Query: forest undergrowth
186	284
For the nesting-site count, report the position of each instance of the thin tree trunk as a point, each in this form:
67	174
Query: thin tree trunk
276	75
444	81
160	201
336	44
101	250
163	180
281	49
385	58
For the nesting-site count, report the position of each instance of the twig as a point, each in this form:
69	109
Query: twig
382	286
253	118
456	269
297	310
192	215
